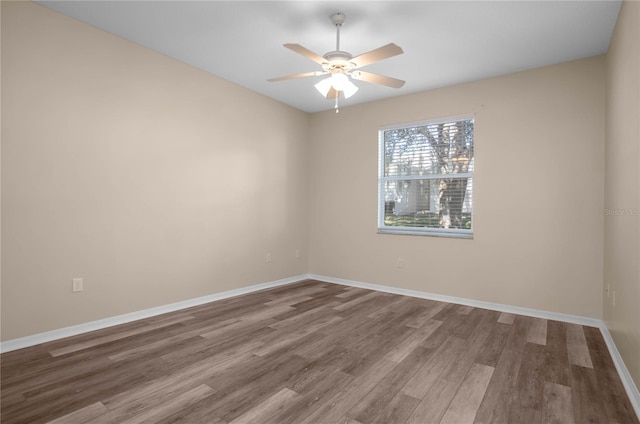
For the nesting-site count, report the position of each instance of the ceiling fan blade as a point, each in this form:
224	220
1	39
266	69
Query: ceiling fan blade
377	79
375	55
306	53
294	76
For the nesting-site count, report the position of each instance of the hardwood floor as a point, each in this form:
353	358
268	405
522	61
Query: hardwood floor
315	353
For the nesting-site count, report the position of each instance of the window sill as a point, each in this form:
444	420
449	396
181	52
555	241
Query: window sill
411	232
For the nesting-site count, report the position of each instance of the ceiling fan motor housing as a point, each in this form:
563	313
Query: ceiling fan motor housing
338	61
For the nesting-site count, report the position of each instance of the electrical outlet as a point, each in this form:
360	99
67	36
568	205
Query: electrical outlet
267	258
77	285
400	263
297	253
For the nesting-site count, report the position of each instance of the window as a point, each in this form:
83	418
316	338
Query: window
425	183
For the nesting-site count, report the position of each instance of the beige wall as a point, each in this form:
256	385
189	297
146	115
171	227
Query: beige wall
538	193
157	182
152	180
622	187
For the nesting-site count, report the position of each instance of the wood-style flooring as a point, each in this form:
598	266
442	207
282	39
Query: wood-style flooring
314	353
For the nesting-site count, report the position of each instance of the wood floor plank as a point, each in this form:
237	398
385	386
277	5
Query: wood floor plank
557	403
398	410
75	392
346	420
83	415
466	356
91	335
47	409
195	414
465	404
517	338
464	309
494	408
241	388
586	399
430	310
318	300
350	292
577	346
161	389
373	403
469	322
379	344
493	347
317	394
506	318
232	329
182	401
441	391
392	306
302	317
117	336
556	363
55	371
288	300
265	410
266	313
347	332
358	300
297	296
377	336
402	350
538	331
292	337
319	353
450	321
335	408
304	381
435	403
160	346
425	376
215	350
526	399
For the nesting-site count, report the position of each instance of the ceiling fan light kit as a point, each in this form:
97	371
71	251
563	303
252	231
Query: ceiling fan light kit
342	65
340	83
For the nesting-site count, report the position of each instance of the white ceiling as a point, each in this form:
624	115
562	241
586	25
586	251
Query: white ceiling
444	42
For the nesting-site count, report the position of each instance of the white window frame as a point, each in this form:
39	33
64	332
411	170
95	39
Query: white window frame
421	231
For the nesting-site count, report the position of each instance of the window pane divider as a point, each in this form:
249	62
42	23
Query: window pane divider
426	177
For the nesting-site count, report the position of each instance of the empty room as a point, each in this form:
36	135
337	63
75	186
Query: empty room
320	212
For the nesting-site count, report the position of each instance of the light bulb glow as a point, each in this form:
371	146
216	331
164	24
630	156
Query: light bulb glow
339	81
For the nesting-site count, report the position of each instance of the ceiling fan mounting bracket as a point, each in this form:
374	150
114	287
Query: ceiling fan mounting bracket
338	18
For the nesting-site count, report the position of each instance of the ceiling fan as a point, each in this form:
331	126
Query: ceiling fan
342	65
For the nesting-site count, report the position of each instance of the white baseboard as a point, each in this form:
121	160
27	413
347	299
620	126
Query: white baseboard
574	319
61	333
623	372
